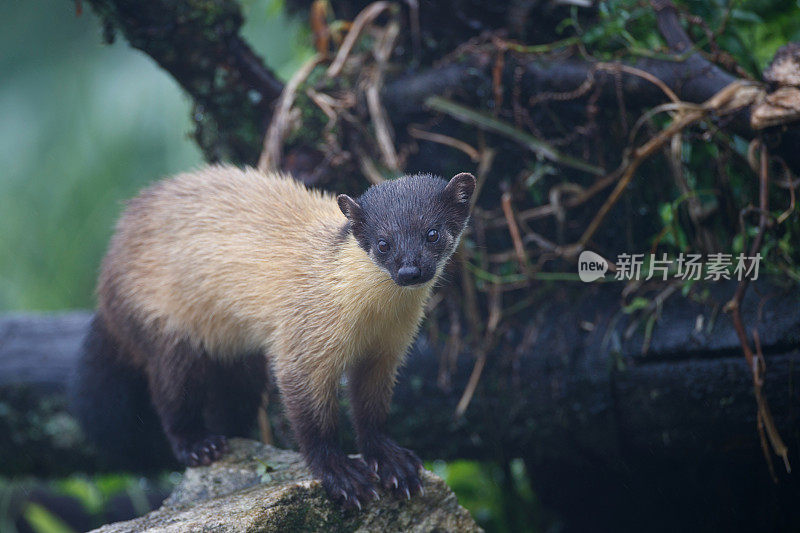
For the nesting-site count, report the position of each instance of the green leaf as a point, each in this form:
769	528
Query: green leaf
83	490
43	521
636	304
743	15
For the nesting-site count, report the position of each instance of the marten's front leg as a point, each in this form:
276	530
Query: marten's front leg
309	395
371	383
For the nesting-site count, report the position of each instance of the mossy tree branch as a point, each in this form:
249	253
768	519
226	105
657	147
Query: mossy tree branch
198	43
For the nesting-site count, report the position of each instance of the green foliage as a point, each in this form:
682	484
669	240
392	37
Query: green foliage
622	26
751	31
41	520
499	498
757	29
92	493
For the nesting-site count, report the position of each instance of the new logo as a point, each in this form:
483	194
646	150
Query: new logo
591	266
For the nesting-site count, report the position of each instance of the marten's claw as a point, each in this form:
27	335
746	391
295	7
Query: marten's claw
398	468
347	481
374	465
203	451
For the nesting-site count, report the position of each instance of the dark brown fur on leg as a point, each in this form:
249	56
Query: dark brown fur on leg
109	397
233	394
347	481
177	381
370	384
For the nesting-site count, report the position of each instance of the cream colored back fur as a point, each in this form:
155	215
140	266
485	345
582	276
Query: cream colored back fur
238	260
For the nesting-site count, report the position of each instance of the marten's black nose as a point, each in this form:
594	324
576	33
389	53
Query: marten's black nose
408	274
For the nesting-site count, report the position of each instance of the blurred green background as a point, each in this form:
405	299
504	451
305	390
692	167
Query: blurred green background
83	126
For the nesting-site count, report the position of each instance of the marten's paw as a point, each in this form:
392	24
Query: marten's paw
397	467
203	451
347	481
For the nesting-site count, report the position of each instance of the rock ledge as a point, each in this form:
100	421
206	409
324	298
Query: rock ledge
257	487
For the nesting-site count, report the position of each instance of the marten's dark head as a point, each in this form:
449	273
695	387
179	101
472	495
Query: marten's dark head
410	226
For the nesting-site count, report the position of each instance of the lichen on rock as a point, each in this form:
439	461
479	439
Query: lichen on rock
257	487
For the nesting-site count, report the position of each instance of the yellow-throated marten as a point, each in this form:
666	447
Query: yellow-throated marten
210	271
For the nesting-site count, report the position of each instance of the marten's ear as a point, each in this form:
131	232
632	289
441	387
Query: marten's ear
460	188
349	207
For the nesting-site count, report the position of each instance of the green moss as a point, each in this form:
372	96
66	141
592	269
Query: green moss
293	513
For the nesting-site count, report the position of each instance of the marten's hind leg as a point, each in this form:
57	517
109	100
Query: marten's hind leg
234	393
110	398
177	378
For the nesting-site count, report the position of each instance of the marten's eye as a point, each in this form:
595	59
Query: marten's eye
433	235
383	246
